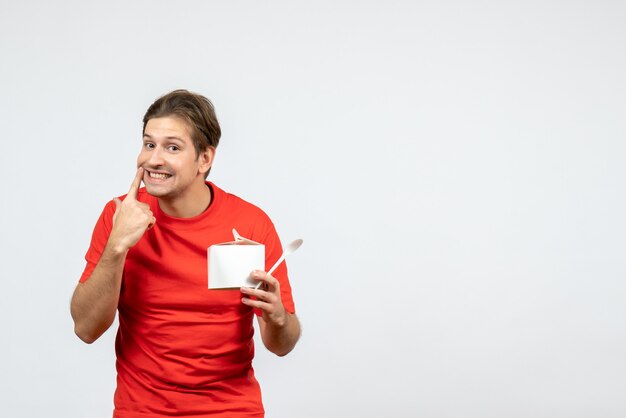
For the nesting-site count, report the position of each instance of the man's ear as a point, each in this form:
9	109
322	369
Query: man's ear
206	160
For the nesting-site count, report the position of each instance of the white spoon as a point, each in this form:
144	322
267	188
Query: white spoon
292	247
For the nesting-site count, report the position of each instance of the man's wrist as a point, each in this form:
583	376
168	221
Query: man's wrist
116	249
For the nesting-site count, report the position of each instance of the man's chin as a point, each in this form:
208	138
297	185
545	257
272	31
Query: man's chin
156	191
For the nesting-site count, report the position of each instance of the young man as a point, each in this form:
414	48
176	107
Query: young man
182	350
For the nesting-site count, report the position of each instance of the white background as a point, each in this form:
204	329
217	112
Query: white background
456	168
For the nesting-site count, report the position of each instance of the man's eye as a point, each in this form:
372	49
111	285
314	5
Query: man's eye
173	148
148	145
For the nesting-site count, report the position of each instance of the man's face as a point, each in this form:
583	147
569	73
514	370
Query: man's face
172	168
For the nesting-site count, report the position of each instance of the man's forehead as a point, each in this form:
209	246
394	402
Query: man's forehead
168	127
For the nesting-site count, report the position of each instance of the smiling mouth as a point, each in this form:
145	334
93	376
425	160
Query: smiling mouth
158	176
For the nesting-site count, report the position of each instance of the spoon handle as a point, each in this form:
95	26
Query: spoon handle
274	267
292	247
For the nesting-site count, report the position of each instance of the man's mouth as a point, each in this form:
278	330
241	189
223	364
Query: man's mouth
158	176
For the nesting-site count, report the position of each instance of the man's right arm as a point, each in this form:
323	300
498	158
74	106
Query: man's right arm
95	301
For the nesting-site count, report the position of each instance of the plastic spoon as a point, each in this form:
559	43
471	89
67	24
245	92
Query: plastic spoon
292	247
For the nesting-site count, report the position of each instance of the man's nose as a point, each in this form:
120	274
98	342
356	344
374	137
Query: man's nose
156	157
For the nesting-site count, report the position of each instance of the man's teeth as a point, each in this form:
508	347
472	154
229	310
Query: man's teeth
159	175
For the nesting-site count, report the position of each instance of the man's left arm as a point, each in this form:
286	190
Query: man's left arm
280	330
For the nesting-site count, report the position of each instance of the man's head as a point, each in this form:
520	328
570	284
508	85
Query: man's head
196	110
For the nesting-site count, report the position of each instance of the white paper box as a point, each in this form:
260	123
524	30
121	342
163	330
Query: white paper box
231	263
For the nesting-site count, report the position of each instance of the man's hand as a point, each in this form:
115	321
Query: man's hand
280	330
131	219
267	300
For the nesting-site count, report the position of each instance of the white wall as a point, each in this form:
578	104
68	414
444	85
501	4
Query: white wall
456	169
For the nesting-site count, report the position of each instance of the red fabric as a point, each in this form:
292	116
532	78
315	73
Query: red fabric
182	349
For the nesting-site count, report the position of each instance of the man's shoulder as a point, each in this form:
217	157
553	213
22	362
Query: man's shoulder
232	202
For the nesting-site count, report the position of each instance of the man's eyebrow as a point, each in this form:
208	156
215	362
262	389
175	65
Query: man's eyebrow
167	137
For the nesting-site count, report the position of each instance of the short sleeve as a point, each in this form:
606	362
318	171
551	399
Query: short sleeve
273	251
99	238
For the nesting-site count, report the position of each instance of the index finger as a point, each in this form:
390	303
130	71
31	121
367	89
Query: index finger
134	187
264	277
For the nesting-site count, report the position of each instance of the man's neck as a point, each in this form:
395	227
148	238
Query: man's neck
193	203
